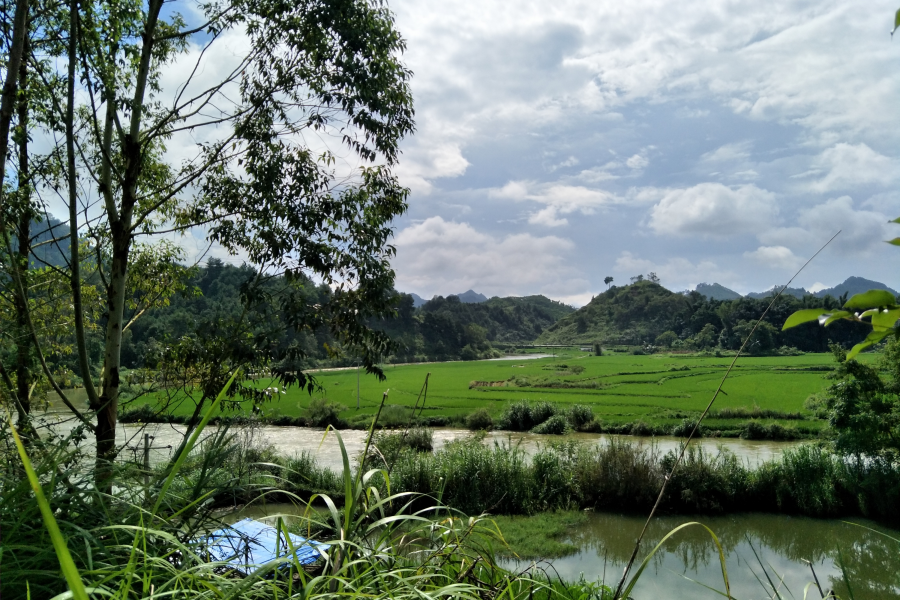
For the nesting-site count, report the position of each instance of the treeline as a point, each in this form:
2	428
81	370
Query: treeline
219	296
648	315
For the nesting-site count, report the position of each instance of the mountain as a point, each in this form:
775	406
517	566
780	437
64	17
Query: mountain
471	297
852	286
418	300
552	310
715	291
795	292
638	314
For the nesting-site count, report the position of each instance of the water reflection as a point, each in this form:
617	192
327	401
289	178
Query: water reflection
872	561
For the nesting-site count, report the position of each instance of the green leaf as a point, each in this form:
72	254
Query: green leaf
895	241
885	319
840	314
803	316
896	25
871	339
870	299
897	220
73	577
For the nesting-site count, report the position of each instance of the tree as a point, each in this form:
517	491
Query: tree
652	278
666	339
863	407
608	281
329	69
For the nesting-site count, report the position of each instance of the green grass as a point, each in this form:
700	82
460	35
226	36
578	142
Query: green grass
656	388
538	536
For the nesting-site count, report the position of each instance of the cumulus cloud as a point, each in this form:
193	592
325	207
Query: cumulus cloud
849	165
735	151
445	257
559	199
861	230
713	210
420	166
779	257
675	273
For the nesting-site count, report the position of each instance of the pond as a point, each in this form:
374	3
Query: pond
781	543
757	548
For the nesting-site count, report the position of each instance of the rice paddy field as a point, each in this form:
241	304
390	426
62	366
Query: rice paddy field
660	389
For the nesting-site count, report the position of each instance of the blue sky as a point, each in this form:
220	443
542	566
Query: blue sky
560	143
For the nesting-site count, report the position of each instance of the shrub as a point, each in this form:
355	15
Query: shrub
579	416
685	428
480	420
393	417
641	428
525	415
555	425
323	412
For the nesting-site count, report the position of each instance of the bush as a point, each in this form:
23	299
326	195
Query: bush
323	412
641	428
555	425
685	428
525	415
579	416
394	417
480	420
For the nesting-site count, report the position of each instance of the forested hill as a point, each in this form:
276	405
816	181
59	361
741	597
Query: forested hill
441	329
446	328
645	313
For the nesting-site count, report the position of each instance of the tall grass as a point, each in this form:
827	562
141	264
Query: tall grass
622	476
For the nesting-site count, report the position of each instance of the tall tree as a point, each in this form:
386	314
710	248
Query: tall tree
258	167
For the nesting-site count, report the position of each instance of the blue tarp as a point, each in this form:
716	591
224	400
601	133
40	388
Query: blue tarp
248	545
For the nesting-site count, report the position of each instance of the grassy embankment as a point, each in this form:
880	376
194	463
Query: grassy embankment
659	391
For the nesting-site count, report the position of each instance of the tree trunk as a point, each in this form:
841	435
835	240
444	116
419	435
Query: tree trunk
10	86
110	381
23	233
120	226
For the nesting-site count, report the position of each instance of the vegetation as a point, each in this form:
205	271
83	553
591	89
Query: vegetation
243	172
646	314
620	476
765	395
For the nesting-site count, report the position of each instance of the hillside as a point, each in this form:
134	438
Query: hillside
640	313
632	314
853	285
715	291
795	292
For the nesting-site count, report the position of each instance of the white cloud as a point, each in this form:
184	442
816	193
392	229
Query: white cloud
637	162
419	166
444	257
714	210
675	273
848	165
862	231
736	151
559	199
779	257
817	287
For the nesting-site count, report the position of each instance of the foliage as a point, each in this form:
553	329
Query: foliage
863	406
556	425
640	313
525	415
480	420
324	413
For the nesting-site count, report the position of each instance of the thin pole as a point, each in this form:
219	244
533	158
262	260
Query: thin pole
147	466
357	384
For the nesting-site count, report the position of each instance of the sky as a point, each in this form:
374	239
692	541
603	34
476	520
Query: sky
559	143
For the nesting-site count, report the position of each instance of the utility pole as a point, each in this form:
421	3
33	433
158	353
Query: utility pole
357	384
